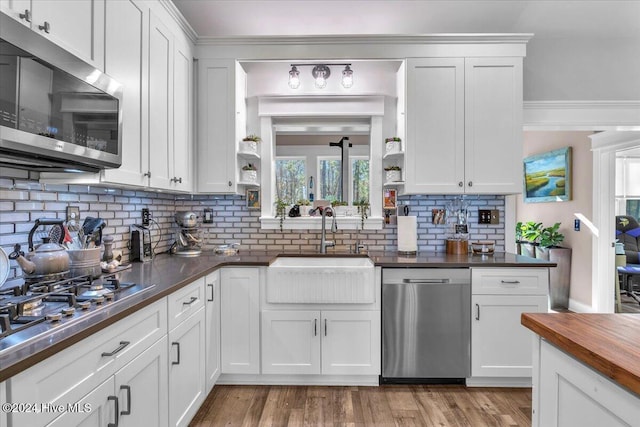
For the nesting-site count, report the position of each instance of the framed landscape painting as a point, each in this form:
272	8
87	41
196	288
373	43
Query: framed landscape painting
547	176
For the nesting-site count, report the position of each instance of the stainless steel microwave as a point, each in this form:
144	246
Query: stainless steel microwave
57	113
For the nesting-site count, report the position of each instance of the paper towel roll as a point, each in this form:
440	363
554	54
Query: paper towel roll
407	234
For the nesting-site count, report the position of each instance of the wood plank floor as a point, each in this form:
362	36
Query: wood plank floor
389	405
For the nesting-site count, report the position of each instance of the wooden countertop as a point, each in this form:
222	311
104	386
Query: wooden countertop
608	343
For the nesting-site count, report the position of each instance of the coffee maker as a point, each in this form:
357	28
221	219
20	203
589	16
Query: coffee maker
188	241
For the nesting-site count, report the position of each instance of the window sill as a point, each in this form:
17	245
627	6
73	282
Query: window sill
315	223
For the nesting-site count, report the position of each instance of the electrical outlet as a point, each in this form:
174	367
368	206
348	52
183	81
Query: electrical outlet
73	215
208	216
484	216
146	216
576	224
495	216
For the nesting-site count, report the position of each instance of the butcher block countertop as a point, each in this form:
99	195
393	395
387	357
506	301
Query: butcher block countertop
608	343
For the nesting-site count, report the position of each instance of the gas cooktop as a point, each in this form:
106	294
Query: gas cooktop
32	310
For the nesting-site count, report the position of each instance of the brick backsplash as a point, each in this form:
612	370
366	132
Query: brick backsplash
23	199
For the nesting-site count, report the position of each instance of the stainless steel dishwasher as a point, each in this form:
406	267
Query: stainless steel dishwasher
426	325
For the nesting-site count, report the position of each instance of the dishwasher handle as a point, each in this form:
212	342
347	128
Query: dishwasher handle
426	281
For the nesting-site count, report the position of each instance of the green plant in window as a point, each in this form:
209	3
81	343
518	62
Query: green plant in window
363	208
281	211
252	137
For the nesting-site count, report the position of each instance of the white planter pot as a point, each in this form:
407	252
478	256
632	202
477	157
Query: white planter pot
249	176
392	147
248	147
393	176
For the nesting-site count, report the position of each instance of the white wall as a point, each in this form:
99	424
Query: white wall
537	142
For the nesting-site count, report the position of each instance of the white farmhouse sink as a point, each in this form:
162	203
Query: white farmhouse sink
321	280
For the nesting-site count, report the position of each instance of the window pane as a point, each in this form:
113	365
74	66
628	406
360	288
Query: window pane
360	175
330	185
290	179
633	208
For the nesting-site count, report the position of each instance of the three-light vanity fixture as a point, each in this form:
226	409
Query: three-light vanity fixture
320	73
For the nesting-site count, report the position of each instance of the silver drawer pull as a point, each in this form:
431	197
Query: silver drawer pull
122	345
117	411
510	282
128	390
212	292
177	362
477	311
191	301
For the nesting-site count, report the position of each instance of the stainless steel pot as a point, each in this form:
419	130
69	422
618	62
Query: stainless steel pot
186	219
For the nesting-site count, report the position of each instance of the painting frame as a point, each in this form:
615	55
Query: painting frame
547	177
253	198
390	198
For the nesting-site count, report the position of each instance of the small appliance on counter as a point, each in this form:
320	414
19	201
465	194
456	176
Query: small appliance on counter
188	241
141	248
457	216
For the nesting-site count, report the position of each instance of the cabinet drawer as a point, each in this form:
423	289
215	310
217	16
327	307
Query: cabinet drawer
510	281
186	301
69	375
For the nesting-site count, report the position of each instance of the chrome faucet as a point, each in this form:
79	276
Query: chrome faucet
324	244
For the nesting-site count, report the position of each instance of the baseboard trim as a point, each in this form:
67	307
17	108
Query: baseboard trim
579	307
324	380
519	382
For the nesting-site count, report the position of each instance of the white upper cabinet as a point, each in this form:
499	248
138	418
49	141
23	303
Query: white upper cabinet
464	125
76	25
221	123
181	177
126	62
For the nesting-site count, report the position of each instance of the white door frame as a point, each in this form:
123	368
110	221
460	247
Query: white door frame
604	146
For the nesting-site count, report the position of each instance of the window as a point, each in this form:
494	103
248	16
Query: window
291	179
329	184
359	179
633	208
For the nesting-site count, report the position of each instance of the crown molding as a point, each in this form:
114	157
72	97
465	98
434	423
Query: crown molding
581	115
470	38
180	19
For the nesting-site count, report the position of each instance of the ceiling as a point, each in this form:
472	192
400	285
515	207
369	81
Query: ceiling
546	18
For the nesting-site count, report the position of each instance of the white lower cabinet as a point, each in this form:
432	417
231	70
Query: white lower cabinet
3	399
321	342
71	375
136	395
500	345
568	393
212	329
186	357
240	320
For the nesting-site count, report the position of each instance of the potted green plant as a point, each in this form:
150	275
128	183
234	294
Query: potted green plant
249	173
249	144
281	210
363	210
549	249
304	206
392	145
529	235
339	207
393	173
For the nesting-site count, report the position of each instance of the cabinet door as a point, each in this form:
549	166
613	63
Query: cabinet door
99	408
142	390
76	26
291	342
500	345
160	104
216	126
182	114
435	126
493	129
240	320
350	342
3	399
186	369
126	62
20	10
212	329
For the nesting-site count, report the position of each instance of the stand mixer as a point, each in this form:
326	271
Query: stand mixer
188	240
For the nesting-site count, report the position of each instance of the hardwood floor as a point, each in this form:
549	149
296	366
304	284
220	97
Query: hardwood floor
389	405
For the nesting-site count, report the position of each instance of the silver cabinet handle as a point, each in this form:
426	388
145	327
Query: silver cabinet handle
460	184
470	184
510	282
117	410
26	15
128	390
315	327
477	311
176	180
212	291
325	327
230	184
177	344
122	345
425	281
191	301
46	27
147	174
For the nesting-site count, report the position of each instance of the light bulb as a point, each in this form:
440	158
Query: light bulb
294	78
347	77
321	82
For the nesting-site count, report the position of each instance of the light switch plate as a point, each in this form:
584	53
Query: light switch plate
495	216
73	215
